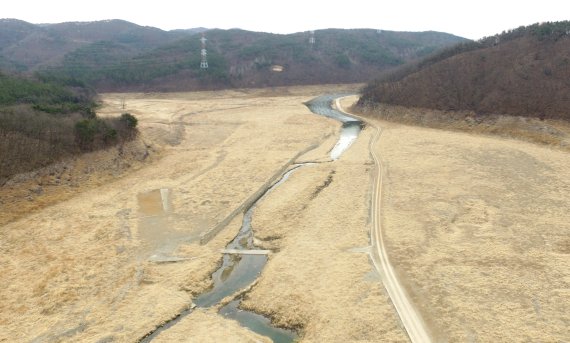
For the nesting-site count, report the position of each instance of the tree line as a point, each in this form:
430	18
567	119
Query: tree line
44	120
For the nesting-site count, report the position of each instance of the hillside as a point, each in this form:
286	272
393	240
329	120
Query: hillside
44	120
25	46
117	55
523	72
240	58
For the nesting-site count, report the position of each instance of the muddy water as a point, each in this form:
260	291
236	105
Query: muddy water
255	322
239	271
322	105
249	267
236	272
243	270
158	226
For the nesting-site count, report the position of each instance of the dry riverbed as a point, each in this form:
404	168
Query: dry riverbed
322	279
82	269
477	229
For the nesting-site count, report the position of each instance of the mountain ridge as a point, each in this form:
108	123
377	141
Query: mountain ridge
115	55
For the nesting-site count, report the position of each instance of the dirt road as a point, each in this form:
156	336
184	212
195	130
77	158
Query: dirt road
320	280
477	231
411	319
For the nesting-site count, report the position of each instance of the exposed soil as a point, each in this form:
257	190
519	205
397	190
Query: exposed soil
550	132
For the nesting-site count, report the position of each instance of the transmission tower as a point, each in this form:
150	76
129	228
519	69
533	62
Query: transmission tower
204	53
312	38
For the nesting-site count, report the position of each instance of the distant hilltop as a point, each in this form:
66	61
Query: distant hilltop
116	55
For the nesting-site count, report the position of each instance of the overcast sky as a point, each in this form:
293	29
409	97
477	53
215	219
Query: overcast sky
470	19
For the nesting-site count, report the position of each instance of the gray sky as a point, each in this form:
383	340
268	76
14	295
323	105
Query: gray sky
470	19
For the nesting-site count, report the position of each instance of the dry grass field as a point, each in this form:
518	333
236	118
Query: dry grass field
478	228
321	280
208	326
549	132
79	269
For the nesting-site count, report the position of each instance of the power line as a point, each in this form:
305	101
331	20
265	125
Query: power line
204	53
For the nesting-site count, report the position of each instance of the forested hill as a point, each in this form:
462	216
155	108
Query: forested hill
25	46
43	121
523	72
116	55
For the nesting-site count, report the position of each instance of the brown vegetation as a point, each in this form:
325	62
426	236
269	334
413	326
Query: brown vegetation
321	280
29	46
551	132
82	270
29	192
43	121
524	72
31	139
476	227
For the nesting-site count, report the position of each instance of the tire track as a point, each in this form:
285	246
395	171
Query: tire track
410	317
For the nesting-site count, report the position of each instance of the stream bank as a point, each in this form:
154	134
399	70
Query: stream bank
237	271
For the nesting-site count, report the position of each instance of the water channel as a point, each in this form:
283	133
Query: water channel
240	271
351	127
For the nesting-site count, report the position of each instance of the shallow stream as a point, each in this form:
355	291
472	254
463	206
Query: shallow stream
351	127
239	271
